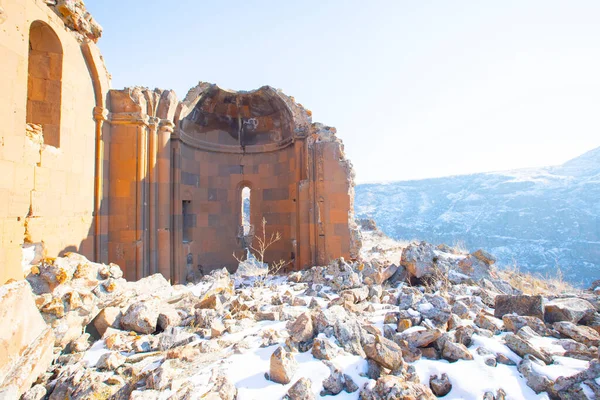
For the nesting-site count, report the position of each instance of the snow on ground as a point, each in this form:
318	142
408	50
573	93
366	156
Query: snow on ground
470	378
247	372
93	354
378	246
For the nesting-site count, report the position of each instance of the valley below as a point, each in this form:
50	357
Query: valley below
541	220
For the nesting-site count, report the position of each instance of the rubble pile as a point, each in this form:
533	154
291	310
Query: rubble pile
363	329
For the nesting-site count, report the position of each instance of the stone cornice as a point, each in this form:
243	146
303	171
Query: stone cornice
231	149
133	118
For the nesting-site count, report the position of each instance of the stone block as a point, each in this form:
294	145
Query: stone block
7	175
27	342
524	305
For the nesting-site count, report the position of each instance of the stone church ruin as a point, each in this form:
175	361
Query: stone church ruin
152	183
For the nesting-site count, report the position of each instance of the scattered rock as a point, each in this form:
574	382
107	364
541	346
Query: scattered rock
523	347
267	316
580	333
111	361
522	305
395	387
283	366
421	338
349	385
418	260
302	330
403	324
168	317
489	322
301	390
108	317
513	323
570	309
502	359
323	349
141	317
455	351
37	392
537	382
222	389
385	352
334	383
440	386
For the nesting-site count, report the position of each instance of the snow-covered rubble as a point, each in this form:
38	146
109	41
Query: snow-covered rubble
366	329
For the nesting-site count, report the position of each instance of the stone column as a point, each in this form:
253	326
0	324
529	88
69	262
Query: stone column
100	218
178	263
127	193
164	189
152	196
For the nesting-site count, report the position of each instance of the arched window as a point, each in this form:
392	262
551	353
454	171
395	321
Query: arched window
44	86
245	212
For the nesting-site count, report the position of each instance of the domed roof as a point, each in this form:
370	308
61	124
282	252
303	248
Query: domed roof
241	118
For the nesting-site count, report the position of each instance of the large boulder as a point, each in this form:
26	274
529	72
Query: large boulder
579	333
283	366
513	323
421	337
570	309
418	259
440	386
522	344
301	390
523	305
141	317
302	330
26	342
474	267
484	257
385	353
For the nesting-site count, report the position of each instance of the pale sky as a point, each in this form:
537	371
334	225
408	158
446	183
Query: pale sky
416	89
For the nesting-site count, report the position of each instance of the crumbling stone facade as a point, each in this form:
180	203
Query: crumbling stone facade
155	184
52	82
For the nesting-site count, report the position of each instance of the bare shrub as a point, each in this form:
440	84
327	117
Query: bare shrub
258	251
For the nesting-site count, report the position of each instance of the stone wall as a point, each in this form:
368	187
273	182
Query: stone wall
47	191
177	170
109	173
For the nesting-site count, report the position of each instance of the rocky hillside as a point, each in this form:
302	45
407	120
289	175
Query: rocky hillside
537	219
438	323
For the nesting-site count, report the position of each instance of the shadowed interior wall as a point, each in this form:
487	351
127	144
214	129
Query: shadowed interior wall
214	181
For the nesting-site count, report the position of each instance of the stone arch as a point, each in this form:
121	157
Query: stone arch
44	81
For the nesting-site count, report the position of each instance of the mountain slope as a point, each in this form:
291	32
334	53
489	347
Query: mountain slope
538	218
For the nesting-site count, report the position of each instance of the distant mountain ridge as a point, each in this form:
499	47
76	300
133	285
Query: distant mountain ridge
536	218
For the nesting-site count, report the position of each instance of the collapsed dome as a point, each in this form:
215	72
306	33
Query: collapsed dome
238	118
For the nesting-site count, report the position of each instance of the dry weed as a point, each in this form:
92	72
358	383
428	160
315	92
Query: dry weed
535	284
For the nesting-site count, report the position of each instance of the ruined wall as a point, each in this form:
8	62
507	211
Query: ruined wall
177	170
46	190
213	182
141	179
139	211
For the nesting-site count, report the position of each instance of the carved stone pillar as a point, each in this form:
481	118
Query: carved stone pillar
152	208
164	188
100	217
128	216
